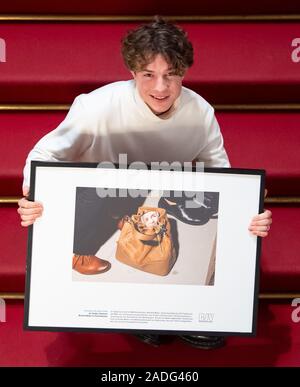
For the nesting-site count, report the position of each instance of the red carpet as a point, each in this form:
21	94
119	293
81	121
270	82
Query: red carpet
253	140
235	63
276	344
136	7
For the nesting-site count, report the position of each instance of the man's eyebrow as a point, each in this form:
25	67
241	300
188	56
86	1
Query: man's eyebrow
151	71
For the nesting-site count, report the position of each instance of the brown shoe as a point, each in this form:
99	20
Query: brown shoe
90	264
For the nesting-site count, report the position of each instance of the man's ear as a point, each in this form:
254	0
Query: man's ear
184	72
133	73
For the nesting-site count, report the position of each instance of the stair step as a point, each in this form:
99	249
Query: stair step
280	266
267	141
253	140
277	344
234	62
13	256
136	7
23	129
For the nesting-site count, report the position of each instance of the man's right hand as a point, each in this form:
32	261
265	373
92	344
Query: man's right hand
29	211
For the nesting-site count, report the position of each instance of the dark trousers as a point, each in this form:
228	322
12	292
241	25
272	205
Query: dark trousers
96	218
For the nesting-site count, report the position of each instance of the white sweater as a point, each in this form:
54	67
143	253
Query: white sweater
114	119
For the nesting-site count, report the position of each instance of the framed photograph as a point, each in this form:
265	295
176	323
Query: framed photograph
143	250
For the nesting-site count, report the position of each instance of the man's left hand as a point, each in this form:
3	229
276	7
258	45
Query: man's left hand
260	224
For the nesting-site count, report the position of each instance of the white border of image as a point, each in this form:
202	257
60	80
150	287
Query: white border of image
57	301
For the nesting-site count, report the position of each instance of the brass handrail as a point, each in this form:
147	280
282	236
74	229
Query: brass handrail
233	107
268	200
282	200
9	199
141	18
262	296
19	107
260	107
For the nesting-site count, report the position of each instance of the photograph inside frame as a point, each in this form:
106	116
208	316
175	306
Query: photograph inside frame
137	236
145	237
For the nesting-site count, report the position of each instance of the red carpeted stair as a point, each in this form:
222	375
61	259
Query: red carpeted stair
235	63
253	140
136	7
277	344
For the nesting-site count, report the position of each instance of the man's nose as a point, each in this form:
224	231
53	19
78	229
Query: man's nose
161	84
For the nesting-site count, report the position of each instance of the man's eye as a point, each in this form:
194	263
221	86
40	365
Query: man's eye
148	75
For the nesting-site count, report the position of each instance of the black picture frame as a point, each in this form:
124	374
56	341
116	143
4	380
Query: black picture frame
44	305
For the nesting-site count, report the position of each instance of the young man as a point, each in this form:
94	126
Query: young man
150	118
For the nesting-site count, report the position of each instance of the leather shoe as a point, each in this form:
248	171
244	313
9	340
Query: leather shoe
193	216
204	342
153	340
89	264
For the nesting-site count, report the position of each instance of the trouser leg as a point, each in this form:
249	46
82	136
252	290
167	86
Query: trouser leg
96	218
90	216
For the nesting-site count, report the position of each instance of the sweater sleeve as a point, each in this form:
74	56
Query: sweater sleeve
213	153
65	143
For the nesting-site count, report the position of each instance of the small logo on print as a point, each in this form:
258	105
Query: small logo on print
206	317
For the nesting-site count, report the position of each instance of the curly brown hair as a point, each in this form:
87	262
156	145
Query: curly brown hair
140	46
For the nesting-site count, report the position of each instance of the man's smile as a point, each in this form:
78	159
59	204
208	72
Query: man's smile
158	98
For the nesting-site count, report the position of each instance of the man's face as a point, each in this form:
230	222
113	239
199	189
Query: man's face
158	85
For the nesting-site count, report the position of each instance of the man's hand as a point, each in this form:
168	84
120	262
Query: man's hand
260	224
29	211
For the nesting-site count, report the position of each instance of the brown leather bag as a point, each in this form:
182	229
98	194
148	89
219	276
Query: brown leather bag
147	249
